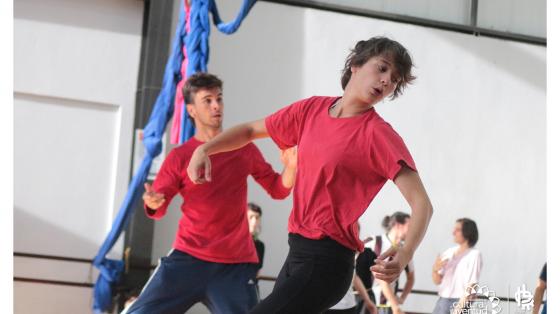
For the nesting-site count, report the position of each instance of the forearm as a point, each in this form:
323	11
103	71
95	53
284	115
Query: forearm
411	187
289	177
407	287
539	294
419	220
389	294
235	137
436	278
361	289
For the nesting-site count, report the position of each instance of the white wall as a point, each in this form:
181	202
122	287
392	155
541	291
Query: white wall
75	73
474	122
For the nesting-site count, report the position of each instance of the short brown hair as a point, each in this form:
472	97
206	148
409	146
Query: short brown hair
380	46
256	208
196	82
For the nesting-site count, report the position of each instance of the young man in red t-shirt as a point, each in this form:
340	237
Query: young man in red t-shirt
213	258
346	153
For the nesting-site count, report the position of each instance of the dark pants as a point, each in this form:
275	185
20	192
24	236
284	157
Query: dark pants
182	280
445	305
315	276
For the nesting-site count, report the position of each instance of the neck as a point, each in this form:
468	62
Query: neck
350	106
464	246
206	134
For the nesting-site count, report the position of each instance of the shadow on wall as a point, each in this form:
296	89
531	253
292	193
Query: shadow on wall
123	16
520	60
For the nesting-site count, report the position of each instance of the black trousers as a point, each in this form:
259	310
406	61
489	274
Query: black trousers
315	276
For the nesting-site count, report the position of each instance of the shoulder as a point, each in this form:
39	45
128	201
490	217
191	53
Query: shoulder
382	128
449	252
259	244
475	253
314	102
185	150
250	151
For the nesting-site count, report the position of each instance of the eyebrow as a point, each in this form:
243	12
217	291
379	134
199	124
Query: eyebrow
385	61
210	95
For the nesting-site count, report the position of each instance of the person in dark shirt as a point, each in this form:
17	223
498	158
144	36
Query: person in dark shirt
539	292
254	214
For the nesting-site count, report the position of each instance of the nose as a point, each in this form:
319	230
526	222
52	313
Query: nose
385	79
215	105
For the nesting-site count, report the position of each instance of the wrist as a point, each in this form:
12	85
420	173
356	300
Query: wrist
290	167
406	255
203	149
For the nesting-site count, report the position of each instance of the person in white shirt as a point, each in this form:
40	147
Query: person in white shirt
386	296
457	269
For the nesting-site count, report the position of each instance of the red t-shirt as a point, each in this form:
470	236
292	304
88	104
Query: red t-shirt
342	165
214	224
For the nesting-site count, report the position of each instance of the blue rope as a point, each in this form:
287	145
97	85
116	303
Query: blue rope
197	43
197	50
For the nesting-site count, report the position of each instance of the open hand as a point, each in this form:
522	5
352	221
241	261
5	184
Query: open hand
151	198
439	264
389	265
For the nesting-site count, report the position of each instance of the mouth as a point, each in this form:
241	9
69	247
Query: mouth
377	91
217	115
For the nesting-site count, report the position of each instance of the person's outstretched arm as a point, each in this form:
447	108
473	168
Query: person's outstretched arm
539	293
409	183
439	264
278	186
199	169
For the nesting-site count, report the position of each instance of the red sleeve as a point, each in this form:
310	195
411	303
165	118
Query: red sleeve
168	181
283	126
389	152
263	173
